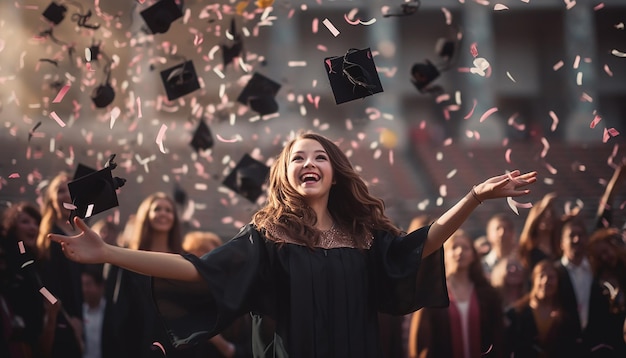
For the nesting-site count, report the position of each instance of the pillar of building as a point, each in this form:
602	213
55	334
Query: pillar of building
580	49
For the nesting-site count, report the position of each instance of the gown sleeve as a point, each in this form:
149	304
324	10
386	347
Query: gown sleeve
232	285
404	280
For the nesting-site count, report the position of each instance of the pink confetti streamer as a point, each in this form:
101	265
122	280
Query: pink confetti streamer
351	22
488	113
507	155
557	65
329	25
21	247
551	169
69	206
139	113
599	6
61	93
595	121
500	7
471	112
555	121
158	344
608	71
59	121
49	296
159	138
608	133
474	50
391	157
14	175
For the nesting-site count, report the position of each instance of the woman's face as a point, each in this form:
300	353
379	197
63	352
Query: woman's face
459	253
161	215
26	230
545	283
309	170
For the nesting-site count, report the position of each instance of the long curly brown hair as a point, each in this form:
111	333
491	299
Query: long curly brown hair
351	205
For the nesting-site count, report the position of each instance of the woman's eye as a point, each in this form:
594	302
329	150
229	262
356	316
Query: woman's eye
296	158
321	157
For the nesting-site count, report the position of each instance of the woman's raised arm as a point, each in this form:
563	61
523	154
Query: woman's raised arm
500	186
88	247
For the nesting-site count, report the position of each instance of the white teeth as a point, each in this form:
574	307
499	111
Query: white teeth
308	176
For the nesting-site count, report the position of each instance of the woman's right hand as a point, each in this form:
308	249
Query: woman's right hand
86	247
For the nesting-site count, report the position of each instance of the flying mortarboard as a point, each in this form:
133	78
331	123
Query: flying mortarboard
180	80
93	191
423	74
247	178
103	95
353	75
202	138
259	93
160	16
55	13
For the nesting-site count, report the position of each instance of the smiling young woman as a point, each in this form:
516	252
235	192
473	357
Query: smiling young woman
321	245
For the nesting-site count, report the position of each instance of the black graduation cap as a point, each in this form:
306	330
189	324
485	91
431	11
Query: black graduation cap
93	191
202	138
259	94
103	95
247	178
160	16
180	80
55	13
423	74
353	75
230	52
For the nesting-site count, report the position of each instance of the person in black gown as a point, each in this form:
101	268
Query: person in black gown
320	259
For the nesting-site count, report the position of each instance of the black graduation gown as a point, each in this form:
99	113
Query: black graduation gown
324	302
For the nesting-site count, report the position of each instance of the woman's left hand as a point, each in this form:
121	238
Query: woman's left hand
505	185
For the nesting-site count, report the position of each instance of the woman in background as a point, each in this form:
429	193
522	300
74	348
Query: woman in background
131	324
60	276
472	325
21	280
540	238
537	325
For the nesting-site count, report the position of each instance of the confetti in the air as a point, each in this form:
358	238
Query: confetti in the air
595	121
61	93
49	296
160	346
555	121
488	113
159	138
514	205
508	74
608	133
618	53
58	119
329	25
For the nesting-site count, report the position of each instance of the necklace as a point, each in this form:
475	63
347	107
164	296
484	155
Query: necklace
328	237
